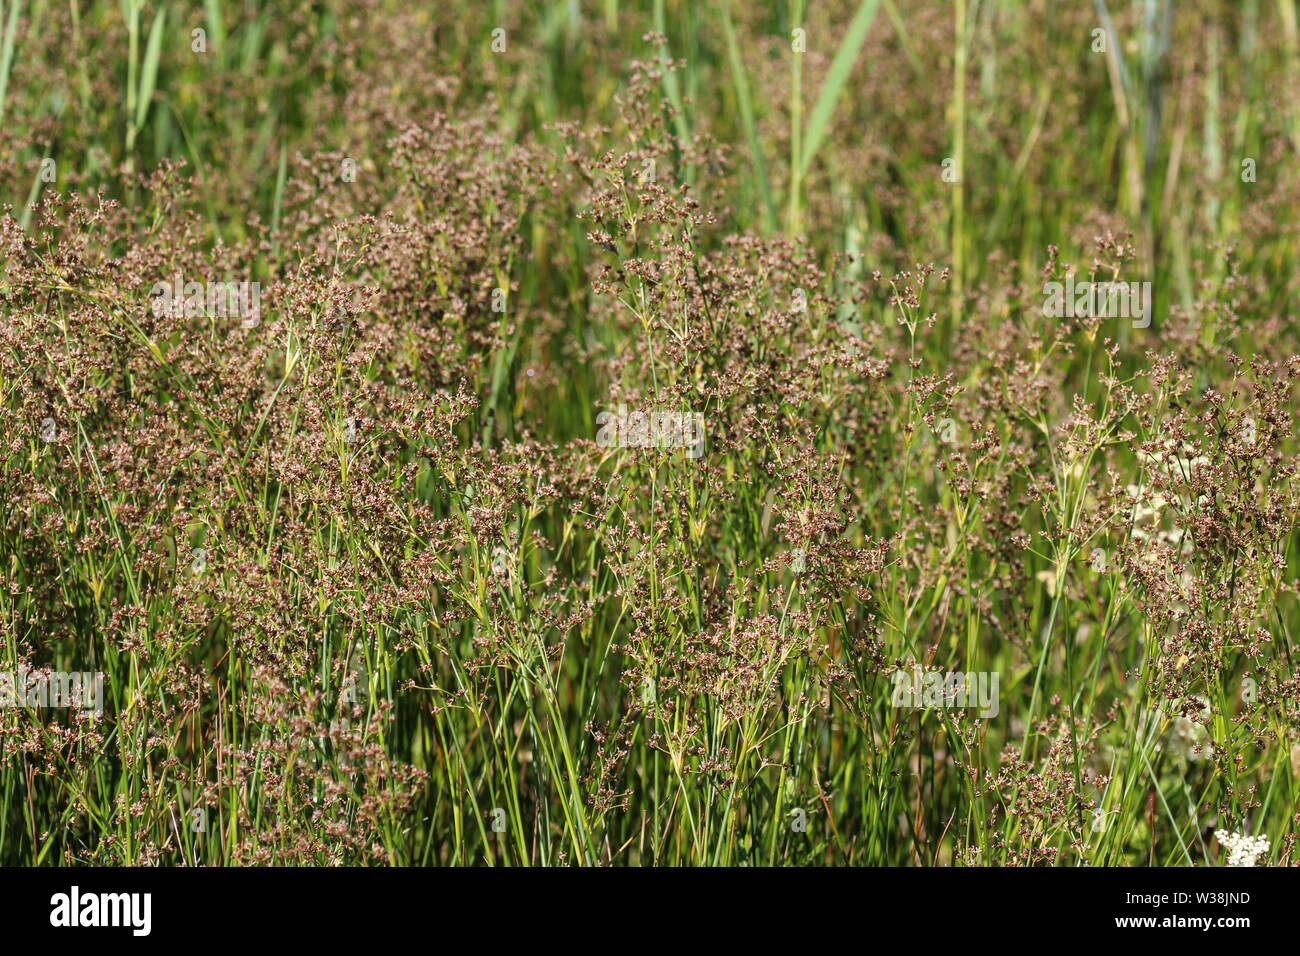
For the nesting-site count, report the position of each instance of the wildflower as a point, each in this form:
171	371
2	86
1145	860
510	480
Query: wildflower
1188	739
1242	849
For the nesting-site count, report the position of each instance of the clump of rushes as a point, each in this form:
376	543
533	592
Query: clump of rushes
366	585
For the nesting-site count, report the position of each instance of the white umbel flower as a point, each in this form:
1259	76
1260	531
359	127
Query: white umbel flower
1242	849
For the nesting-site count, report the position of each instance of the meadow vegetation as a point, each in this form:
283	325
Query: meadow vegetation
365	587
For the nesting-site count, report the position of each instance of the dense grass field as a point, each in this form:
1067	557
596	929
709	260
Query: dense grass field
659	433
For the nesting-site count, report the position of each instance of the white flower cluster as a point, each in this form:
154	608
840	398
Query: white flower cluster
1242	849
1188	739
1185	738
1150	505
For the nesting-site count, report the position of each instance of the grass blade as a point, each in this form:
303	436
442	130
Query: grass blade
149	77
741	84
836	79
7	52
